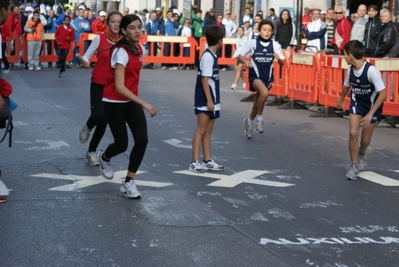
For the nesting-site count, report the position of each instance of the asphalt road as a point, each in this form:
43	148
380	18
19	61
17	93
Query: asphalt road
282	200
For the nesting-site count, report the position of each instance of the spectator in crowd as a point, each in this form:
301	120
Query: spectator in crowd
5	33
98	25
387	37
258	18
80	25
34	37
342	31
60	19
353	18
15	22
186	31
152	28
41	16
247	29
241	40
229	25
24	16
395	22
315	32
247	16
144	20
158	11
323	15
223	51
234	18
255	31
371	31
260	13
198	26
273	18
51	28
90	17
330	25
169	28
125	11
306	18
210	18
86	14
357	32
64	36
285	33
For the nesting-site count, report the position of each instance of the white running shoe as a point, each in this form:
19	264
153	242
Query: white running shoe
92	159
130	189
353	172
212	166
84	133
258	126
233	86
195	166
105	167
248	128
244	86
362	163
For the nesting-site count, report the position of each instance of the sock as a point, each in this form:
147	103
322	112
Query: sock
127	179
206	161
249	120
259	117
102	157
361	155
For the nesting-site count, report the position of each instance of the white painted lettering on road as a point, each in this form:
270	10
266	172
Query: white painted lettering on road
177	143
379	179
233	180
82	181
49	145
330	240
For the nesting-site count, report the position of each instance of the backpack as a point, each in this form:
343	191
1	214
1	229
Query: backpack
6	121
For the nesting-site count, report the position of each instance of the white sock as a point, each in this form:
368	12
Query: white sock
259	117
250	121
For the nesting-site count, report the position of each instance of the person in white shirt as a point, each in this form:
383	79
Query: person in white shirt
241	40
229	26
186	31
315	33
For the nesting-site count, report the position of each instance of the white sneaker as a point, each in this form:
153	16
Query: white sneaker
195	166
362	163
233	86
258	126
92	159
38	67
212	166
30	68
353	172
105	167
244	86
84	133
248	128
130	189
163	68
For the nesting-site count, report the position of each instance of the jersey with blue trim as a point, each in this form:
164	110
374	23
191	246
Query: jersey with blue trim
200	101
262	62
363	90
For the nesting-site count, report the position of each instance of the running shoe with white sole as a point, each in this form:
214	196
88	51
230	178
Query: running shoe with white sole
248	128
362	163
211	166
130	189
258	126
105	167
195	166
353	172
92	159
84	133
233	86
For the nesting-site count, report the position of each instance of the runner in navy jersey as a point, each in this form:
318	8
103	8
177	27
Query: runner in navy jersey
367	96
263	52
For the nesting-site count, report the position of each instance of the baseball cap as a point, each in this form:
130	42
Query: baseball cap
28	9
323	12
102	13
212	10
158	9
306	9
227	12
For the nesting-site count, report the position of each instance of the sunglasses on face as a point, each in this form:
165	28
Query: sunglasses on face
338	13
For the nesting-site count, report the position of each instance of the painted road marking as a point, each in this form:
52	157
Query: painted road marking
379	179
82	181
237	178
48	145
176	143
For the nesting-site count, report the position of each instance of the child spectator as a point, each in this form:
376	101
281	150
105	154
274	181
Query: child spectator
185	31
207	102
63	37
263	51
34	37
241	40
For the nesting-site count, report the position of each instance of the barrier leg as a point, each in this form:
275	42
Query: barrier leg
292	105
277	101
325	112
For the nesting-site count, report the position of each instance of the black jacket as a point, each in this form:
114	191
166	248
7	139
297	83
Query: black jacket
386	40
371	33
209	20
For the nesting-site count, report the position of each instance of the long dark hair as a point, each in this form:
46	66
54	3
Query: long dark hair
129	45
289	20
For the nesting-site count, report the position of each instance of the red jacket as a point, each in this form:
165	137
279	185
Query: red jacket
5	88
342	34
5	31
61	35
15	23
98	26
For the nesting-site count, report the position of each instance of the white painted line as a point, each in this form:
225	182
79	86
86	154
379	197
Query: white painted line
176	143
236	179
379	179
86	181
397	171
4	191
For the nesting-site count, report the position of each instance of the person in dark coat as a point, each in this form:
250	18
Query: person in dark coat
387	37
371	31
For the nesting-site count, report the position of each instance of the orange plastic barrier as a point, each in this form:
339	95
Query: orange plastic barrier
44	57
303	73
171	59
389	69
332	77
17	46
223	59
83	38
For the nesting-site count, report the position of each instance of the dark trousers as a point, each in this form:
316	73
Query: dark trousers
62	54
3	55
97	118
132	114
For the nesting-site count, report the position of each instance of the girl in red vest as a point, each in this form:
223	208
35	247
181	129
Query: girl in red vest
101	46
122	104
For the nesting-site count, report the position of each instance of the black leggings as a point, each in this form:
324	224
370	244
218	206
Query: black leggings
62	55
97	118
3	54
132	114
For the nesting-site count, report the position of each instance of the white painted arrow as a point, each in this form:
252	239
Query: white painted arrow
237	178
176	143
379	179
85	181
